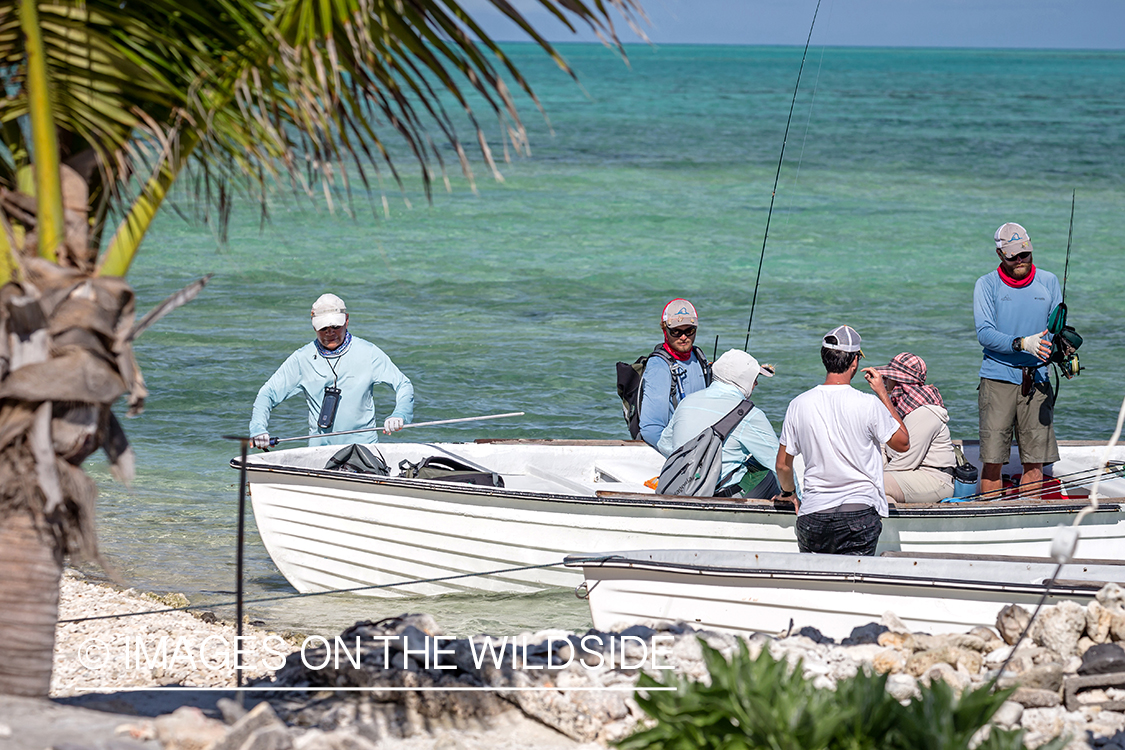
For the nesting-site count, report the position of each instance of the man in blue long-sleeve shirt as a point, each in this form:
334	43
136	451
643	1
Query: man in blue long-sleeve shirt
676	368
1011	306
339	364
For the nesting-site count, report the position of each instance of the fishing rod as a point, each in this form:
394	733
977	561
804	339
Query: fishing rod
1069	235
777	177
275	441
1072	480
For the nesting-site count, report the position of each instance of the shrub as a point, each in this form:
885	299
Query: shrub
763	703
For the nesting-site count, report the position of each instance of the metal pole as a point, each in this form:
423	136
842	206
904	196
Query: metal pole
275	441
238	567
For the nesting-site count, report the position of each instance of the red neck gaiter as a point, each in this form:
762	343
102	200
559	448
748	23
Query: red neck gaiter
675	354
1014	283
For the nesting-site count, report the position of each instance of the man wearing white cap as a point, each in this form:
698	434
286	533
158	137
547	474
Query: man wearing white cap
675	368
335	373
1011	306
750	447
841	432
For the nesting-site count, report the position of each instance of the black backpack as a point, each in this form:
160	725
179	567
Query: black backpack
629	384
446	469
359	460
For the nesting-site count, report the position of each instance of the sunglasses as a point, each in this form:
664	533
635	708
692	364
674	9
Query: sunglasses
681	332
1021	257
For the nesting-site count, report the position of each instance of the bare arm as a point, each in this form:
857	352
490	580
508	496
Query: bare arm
900	441
783	467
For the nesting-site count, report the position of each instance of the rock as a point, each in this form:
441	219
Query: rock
998	657
1045	677
1011	621
187	728
814	635
1048	722
5	731
1084	644
245	734
889	660
868	633
1112	597
988	635
945	672
921	662
1008	715
1035	698
1058	628
902	687
892	623
232	711
1103	658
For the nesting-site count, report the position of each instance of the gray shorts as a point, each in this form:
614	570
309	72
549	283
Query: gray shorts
1002	408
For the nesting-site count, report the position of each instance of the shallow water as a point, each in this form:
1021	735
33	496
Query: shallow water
655	184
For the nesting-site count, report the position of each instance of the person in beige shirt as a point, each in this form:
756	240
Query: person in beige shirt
924	472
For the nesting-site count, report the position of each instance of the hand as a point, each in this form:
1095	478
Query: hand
392	424
1037	345
875	380
261	442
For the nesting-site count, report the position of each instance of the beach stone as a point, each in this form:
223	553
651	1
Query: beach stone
1035	698
946	673
1059	627
889	660
1043	677
896	640
231	710
1008	715
1011	621
902	687
991	639
1044	721
921	662
892	623
868	633
1098	621
1084	644
1103	658
187	728
1112	597
814	635
248	732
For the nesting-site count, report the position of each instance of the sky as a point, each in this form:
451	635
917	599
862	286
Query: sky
1040	24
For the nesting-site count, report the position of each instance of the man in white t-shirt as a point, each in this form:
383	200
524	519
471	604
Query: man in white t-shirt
840	431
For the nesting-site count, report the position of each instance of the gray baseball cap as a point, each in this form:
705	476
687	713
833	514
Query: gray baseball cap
1011	239
843	339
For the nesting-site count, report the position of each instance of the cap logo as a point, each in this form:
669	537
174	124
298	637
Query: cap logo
1015	237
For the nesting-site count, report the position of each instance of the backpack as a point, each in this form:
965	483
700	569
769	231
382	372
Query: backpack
693	468
358	460
446	469
629	384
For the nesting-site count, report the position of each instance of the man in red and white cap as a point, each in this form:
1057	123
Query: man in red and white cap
1011	306
841	432
675	368
336	373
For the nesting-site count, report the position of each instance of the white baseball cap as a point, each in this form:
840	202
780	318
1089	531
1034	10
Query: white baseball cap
329	310
843	339
740	369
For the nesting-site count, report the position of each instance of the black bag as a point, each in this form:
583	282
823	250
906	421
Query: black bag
446	469
359	460
629	384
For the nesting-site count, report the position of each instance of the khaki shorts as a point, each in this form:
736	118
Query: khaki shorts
1002	408
922	486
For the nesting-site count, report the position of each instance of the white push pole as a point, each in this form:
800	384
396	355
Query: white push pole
275	441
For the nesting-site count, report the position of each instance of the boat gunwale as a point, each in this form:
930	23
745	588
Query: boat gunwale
608	497
1071	587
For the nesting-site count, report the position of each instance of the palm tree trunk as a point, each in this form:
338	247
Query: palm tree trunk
30	567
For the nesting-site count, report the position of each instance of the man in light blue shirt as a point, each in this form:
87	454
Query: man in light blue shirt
751	445
1011	306
336	368
675	368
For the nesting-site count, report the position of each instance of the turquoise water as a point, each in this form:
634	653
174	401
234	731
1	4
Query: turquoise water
654	183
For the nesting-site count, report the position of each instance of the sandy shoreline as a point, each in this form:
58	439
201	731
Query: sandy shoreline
148	650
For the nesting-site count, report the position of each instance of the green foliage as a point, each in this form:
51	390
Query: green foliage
764	703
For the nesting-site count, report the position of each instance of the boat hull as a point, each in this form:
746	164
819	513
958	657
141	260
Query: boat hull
784	592
328	530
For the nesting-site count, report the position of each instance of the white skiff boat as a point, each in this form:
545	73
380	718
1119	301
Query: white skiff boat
781	592
332	530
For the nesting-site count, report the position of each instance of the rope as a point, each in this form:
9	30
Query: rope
312	593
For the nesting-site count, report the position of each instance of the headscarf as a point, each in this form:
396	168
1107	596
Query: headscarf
909	372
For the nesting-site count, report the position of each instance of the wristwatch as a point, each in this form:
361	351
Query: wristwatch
785	493
1016	344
